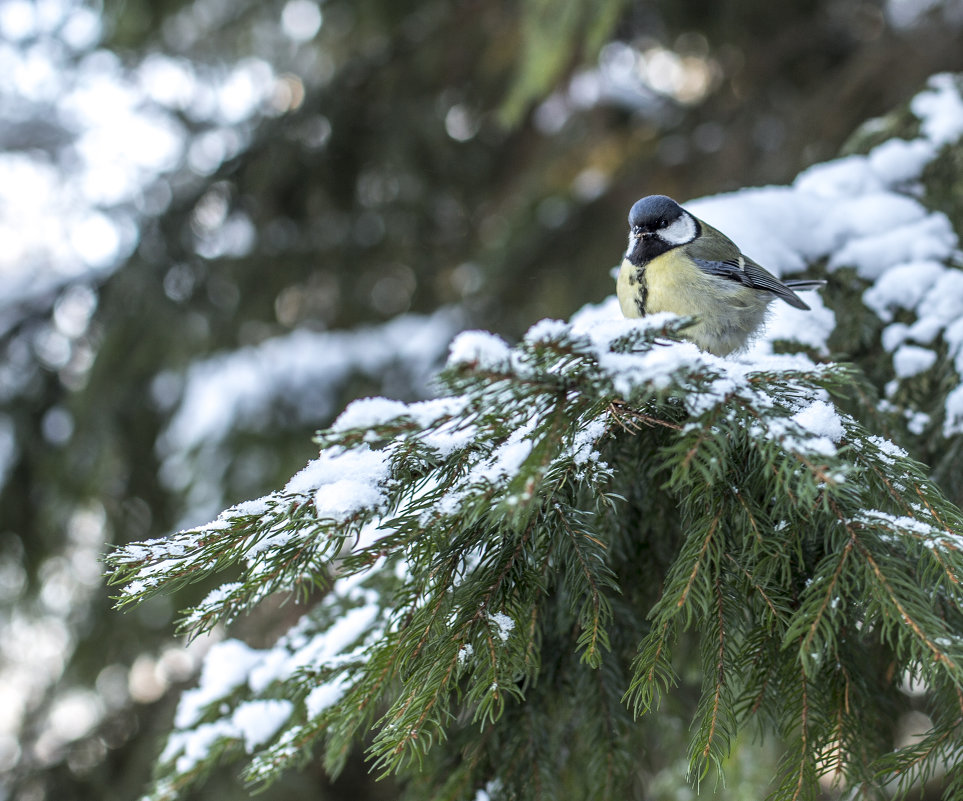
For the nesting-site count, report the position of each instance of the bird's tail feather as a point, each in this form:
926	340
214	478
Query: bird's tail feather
805	283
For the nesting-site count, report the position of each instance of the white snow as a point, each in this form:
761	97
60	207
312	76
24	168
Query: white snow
465	653
301	372
861	212
910	360
811	328
346	496
486	350
231	665
226	666
253	722
898	522
939	308
507	457
603	313
585	440
256	722
450	437
954	408
902	287
343	481
916	422
503	625
940	110
546	330
195	745
712	395
443	437
325	695
822	419
282	660
651	369
858	212
898	161
216	597
929	238
888	449
370	412
794	438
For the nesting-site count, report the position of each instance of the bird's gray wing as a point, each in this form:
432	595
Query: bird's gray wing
750	274
718	255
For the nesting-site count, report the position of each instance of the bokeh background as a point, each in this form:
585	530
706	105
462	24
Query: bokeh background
221	220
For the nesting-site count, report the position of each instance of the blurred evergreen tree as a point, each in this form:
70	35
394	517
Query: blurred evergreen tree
399	157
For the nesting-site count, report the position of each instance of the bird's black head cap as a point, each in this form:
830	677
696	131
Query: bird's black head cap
649	212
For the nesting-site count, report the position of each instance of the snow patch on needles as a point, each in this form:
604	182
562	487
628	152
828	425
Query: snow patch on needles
821	419
503	625
258	721
374	412
940	110
860	212
644	368
226	666
343	481
369	413
546	330
325	695
910	360
465	465
440	419
231	667
897	523
252	722
303	371
585	441
481	349
508	457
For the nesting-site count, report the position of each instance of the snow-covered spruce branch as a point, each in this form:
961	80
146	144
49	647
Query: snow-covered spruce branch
599	500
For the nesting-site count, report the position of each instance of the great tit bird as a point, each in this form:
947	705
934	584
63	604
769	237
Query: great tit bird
677	263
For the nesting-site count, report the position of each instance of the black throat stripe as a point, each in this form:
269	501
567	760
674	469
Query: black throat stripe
642	295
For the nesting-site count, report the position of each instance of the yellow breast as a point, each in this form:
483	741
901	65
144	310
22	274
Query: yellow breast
671	282
676	285
628	290
726	312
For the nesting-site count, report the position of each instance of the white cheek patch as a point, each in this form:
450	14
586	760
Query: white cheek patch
633	237
680	232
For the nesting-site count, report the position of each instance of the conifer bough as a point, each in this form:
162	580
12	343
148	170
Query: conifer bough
590	548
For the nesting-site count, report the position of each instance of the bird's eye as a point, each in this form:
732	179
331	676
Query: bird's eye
662	223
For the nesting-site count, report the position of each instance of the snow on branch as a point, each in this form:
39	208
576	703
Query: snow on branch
304	369
291	380
456	533
604	507
867	212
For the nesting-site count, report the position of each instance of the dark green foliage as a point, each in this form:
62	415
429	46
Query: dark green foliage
589	528
466	225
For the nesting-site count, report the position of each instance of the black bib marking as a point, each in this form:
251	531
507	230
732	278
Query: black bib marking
642	296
